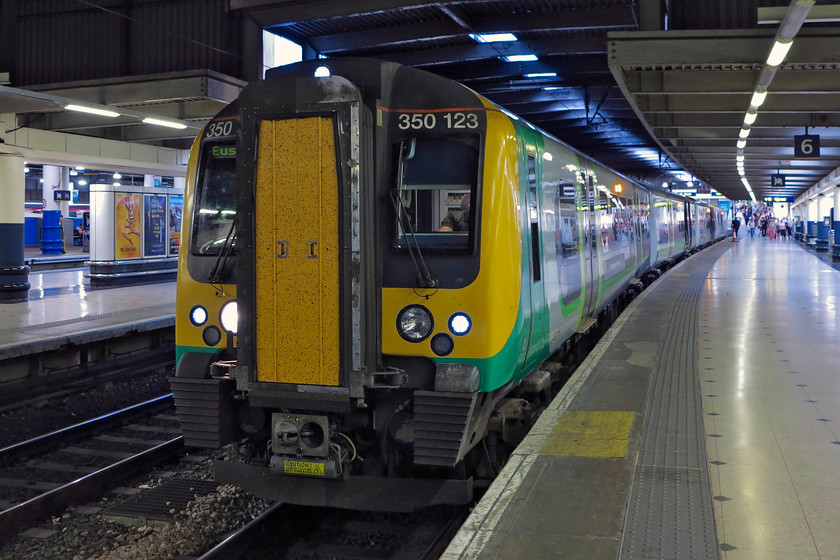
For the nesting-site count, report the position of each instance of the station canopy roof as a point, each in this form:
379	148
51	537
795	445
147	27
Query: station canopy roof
662	107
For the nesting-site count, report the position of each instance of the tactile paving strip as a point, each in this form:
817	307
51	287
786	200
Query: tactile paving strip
670	512
165	309
162	502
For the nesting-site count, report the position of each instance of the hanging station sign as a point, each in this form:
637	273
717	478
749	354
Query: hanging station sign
806	146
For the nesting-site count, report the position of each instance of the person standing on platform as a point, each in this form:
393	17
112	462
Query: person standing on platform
751	226
736	223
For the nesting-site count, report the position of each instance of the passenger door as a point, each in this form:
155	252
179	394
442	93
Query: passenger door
538	338
589	246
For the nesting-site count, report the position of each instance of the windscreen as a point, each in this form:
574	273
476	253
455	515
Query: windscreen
215	201
436	192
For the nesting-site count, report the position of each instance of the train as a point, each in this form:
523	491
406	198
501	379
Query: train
380	275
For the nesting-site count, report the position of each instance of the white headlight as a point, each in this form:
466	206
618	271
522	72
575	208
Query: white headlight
229	316
198	315
460	324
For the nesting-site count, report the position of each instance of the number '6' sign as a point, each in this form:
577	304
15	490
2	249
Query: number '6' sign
806	146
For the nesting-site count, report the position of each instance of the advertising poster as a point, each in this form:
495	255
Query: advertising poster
127	217
154	223
176	208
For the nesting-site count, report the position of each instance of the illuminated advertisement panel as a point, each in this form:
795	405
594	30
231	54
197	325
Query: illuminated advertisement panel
127	225
176	208
154	223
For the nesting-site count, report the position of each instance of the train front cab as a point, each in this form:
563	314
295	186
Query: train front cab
330	364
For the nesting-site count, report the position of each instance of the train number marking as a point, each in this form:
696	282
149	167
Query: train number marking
461	120
218	129
428	121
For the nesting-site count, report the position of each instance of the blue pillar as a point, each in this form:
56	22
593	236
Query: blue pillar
51	242
14	275
835	249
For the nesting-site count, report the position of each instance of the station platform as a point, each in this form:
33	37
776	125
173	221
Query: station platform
63	309
701	425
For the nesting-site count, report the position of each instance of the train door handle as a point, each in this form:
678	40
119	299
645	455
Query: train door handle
283	249
313	249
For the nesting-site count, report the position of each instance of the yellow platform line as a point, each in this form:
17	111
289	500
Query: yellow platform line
590	433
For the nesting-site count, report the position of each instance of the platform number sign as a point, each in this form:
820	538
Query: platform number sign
806	146
777	180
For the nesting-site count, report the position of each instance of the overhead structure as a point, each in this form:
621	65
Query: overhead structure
734	111
663	107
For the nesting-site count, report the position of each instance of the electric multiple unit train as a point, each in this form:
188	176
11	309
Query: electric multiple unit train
358	353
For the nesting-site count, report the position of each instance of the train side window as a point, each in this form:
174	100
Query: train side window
534	215
565	217
437	177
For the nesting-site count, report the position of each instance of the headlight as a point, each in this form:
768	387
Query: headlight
460	324
415	323
229	316
198	315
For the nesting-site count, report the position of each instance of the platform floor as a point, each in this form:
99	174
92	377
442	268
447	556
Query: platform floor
63	306
701	426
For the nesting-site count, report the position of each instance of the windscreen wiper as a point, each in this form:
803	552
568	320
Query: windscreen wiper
215	276
424	276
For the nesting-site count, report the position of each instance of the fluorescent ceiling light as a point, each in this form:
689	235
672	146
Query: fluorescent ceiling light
739	158
520	58
542	75
758	98
322	72
778	53
551	88
750	117
741	143
493	37
744	133
170	124
91	110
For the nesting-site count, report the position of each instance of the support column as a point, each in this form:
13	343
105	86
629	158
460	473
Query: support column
14	275
835	250
822	228
51	243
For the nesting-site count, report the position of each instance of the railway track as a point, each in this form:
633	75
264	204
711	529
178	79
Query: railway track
47	473
296	532
30	392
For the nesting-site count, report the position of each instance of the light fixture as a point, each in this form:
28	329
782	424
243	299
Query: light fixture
170	124
744	133
542	75
520	58
322	72
778	52
551	88
750	117
739	157
493	37
117	175
758	98
741	143
91	110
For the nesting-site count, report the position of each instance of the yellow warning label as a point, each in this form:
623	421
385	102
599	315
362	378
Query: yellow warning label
303	467
589	433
